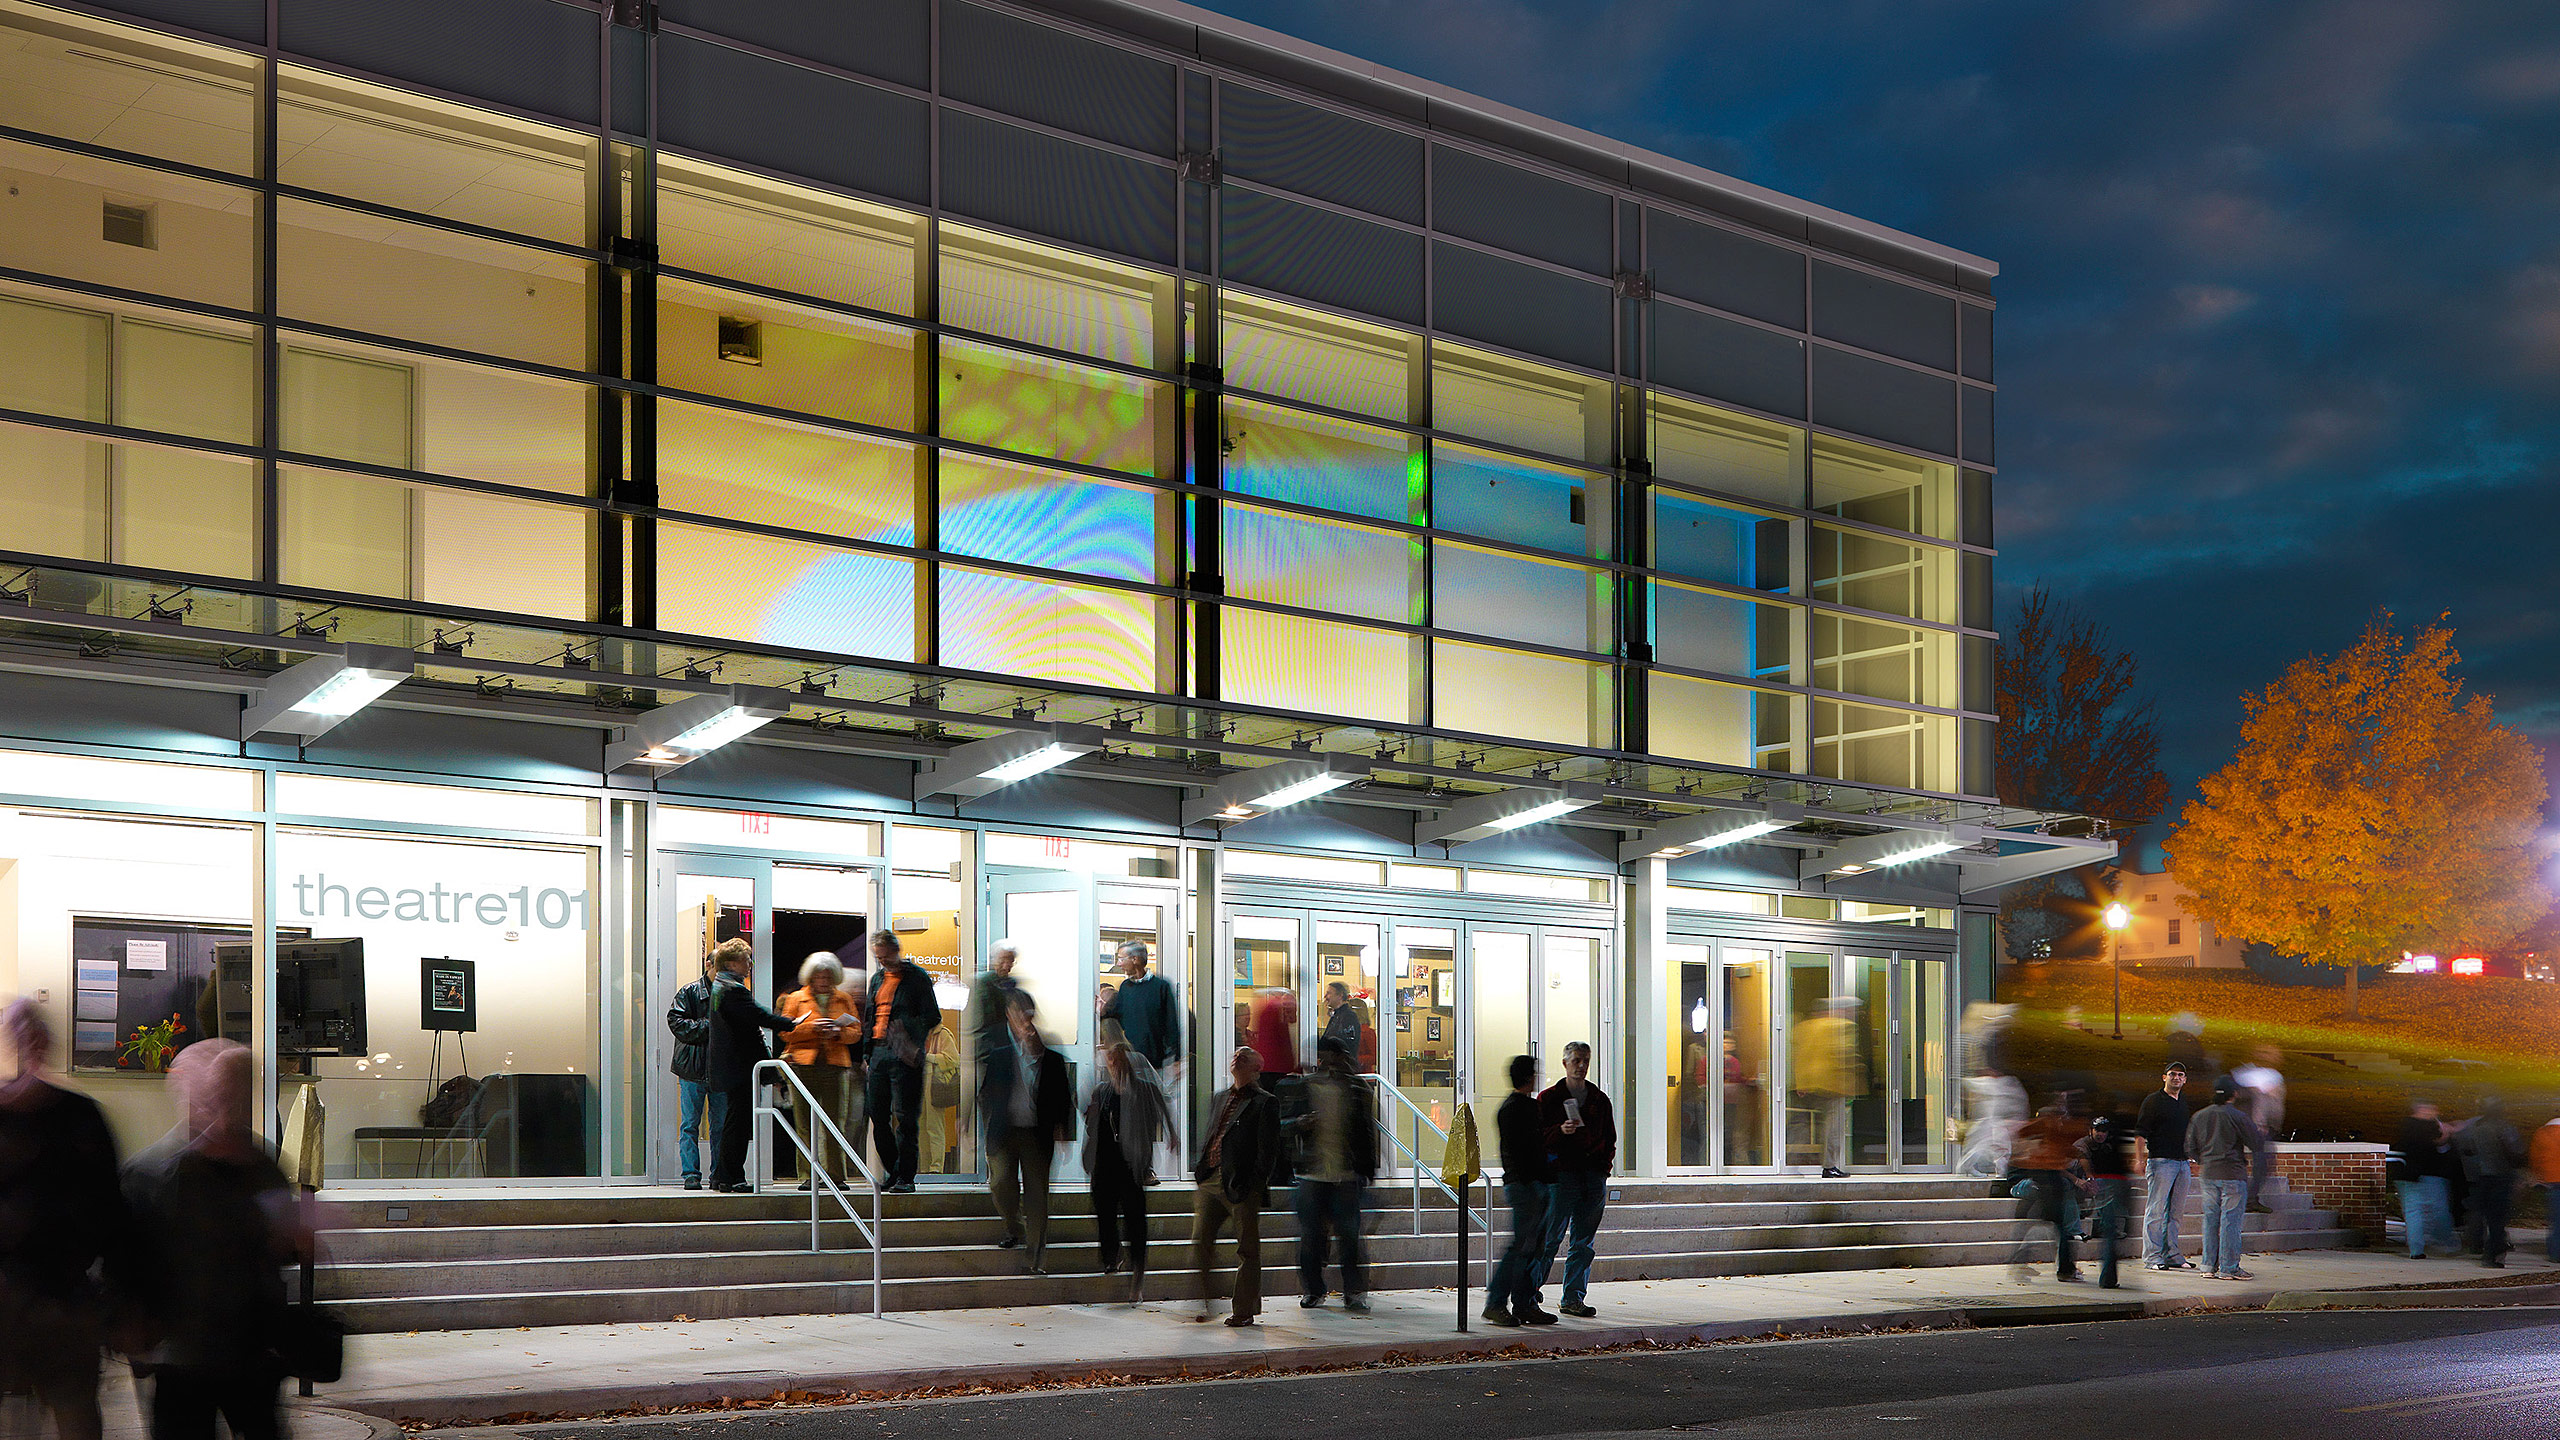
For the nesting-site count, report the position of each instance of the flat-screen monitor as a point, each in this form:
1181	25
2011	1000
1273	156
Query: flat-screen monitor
319	994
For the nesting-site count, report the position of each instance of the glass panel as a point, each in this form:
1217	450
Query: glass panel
791	357
186	376
1820	1052
1707	541
1326	565
1876	746
1321	359
752	830
366	536
350	406
1306	867
1745	1064
176	510
1075	634
1039	517
746	227
732	465
1873	572
1045	926
931	879
393	407
1498	1022
1119	922
1512	597
416	282
1689	1047
337	796
56	359
1734	454
1287	662
1512	402
785	592
1521	501
410	152
1925	1063
1708	630
1584	889
1423	877
1347	990
128	226
128	89
1871	997
1521	697
997	285
1808	907
1569	1006
1881	487
1053	409
1426	1049
1282	454
1266	991
1721	724
1091	857
91	778
1723	902
1890	662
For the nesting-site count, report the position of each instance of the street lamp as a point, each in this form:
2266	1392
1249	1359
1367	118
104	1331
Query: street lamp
2116	917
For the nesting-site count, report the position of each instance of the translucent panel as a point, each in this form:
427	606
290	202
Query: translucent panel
1707	541
1484	691
128	89
55	359
1282	454
416	282
1720	724
1286	662
1512	402
335	795
1488	592
1306	867
1875	572
1581	888
756	830
1872	745
1423	877
1038	517
1323	565
149	369
1734	454
475	421
1881	487
369	536
736	466
1706	630
1054	410
1001	286
1498	1020
790	357
1073	634
785	592
183	510
91	778
1321	359
128	226
1568	984
53	492
411	152
746	227
1722	902
1481	493
1889	662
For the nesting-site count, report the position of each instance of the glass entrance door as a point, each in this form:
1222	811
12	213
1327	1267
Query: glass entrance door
1425	994
703	900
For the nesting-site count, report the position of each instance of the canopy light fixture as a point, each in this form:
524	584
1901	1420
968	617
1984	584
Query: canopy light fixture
1893	847
308	700
1478	816
1273	787
691	728
1709	830
983	767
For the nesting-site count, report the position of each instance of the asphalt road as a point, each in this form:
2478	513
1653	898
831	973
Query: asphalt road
2443	1374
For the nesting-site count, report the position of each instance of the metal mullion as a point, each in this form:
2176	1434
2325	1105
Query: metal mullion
92	290
108	430
1531	261
1896	361
1073	137
437	222
441	481
803	62
138	160
1810	692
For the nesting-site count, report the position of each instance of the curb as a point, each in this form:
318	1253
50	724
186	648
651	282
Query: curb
2481	1297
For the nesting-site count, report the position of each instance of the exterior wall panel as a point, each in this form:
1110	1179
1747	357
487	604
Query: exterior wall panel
726	103
535	55
1067	81
1274	244
1706	355
1898	406
1029	181
1320	153
1519	210
887	38
1716	266
1520	307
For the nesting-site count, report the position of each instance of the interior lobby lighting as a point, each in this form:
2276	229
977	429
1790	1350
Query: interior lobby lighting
983	767
1710	829
1273	787
693	727
308	699
1478	816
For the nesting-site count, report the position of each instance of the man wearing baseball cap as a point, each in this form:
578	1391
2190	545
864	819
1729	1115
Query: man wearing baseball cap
2166	1175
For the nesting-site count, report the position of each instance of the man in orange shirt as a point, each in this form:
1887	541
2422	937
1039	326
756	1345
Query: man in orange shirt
2542	1162
899	1016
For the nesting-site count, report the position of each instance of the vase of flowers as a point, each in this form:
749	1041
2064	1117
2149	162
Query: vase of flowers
153	1044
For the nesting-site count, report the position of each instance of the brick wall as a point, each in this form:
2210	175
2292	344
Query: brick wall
2344	1178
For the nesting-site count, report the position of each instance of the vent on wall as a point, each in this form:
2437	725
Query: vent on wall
741	340
127	225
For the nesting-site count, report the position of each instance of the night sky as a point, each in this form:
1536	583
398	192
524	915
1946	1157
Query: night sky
2279	336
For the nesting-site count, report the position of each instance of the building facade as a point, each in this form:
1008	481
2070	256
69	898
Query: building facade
1134	475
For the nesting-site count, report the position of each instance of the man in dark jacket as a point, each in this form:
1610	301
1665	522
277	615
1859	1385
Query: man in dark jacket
1029	1107
2108	1152
735	1046
2162	1122
1238	1150
2221	1142
2412	1169
1509	1298
689	1019
1582	1144
899	1016
1147	1012
1337	1158
2491	1151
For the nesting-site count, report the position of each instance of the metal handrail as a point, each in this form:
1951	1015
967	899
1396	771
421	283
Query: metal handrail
872	1233
1421	1171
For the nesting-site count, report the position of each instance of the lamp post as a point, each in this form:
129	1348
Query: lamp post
2116	917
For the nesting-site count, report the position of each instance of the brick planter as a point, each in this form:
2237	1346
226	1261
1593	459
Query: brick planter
2345	1178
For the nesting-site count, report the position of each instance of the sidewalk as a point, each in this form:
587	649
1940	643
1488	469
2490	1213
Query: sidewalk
487	1374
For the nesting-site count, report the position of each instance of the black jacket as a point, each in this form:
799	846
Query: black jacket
689	1018
2414	1151
913	1015
1250	1152
1590	1150
2163	1123
737	1043
1053	1106
1359	1143
1524	1140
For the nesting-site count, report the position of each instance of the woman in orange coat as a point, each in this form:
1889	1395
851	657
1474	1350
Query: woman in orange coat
820	1050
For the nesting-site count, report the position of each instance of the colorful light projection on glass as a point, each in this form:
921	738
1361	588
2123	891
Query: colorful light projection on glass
736	466
786	593
1706	541
1496	496
1026	516
1281	454
1290	662
1050	409
1704	630
1324	565
1071	634
1275	349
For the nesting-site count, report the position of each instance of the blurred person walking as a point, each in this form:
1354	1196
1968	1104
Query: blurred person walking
1828	1065
2166	1175
1030	1110
2262	1100
2415	1171
62	1214
1145	1010
223	1220
1338	1157
736	1047
2491	1154
1124	1113
697	1100
983	1021
1582	1146
2222	1140
820	1048
2107	1153
1238	1151
1528	1183
2047	1147
899	1016
2542	1162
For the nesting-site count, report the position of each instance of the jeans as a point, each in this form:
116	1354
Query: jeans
1018	1161
1574	1204
2226	1204
2425	1213
896	1093
1330	1205
1509	1287
693	1097
1211	1210
2167	1185
185	1399
2111	1193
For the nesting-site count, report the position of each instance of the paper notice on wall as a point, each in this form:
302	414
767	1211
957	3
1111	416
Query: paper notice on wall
97	975
94	1035
146	954
96	1005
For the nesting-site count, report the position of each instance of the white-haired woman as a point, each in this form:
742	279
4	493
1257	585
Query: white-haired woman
820	1050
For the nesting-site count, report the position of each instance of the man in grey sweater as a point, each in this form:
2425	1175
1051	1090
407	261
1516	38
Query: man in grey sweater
2221	1141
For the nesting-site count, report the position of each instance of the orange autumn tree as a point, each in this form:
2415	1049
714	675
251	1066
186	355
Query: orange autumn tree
2372	810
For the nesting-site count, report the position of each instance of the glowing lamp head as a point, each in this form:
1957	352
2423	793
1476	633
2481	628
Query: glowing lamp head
2117	916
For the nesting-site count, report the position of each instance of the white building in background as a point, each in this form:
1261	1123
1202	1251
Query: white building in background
2166	932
